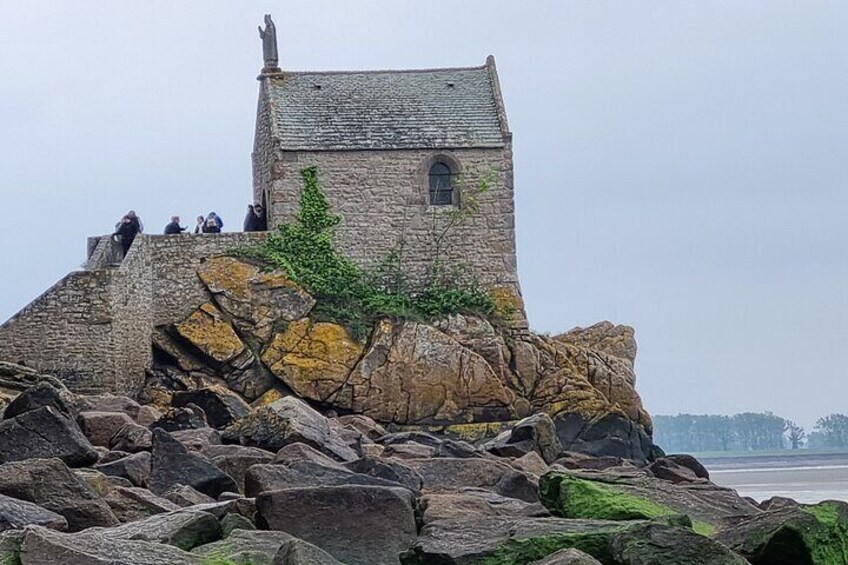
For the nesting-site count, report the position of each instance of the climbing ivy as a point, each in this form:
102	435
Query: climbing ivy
355	297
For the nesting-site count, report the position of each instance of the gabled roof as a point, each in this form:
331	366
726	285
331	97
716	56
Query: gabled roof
433	108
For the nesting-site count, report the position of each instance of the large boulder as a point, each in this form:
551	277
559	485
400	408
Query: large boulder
132	438
447	474
135	468
50	484
45	432
100	427
536	433
650	544
811	535
299	474
313	358
617	496
248	547
256	299
41	546
388	470
16	513
131	504
507	539
38	396
235	460
173	464
221	406
288	420
184	528
474	503
610	434
413	373
328	517
298	552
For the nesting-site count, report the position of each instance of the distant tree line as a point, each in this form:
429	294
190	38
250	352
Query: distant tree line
749	431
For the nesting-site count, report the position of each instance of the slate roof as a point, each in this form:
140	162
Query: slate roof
439	108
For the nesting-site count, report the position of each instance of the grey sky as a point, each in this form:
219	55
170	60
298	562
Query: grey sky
680	166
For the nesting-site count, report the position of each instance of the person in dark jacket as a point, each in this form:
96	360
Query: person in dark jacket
261	220
250	219
255	219
126	230
218	221
211	226
174	227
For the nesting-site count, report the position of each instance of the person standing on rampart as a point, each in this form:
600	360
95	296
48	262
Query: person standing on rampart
174	227
126	230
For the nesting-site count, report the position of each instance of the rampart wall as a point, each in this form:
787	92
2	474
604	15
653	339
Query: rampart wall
93	327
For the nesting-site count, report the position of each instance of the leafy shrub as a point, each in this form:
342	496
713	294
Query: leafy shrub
347	294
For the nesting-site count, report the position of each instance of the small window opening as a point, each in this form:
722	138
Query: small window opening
441	185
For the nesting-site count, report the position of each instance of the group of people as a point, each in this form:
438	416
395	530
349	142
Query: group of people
130	225
212	223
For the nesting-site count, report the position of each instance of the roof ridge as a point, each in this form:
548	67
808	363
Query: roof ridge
284	73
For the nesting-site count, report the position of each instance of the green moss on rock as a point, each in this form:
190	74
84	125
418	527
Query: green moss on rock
571	497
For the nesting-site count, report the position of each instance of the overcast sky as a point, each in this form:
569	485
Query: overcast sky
681	166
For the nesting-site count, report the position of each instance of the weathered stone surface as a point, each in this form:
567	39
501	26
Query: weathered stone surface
207	330
302	452
298	552
37	396
613	496
100	427
184	496
247	547
16	513
649	544
313	358
618	341
531	463
106	403
413	373
255	298
668	470
563	377
45	432
534	433
367	426
41	546
147	415
473	503
63	493
286	421
130	504
506	539
445	474
191	417
135	468
388	470
608	434
814	535
376	537
232	522
184	528
197	439
132	438
98	482
220	405
300	474
235	460
685	460
568	557
173	464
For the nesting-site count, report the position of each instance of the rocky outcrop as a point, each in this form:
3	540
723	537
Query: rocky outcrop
255	335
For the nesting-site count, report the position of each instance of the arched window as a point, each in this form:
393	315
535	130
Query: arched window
441	185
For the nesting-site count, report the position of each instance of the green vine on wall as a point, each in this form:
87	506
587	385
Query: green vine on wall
355	297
